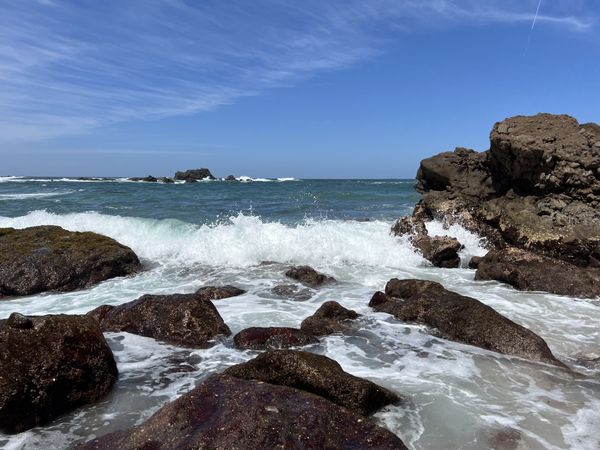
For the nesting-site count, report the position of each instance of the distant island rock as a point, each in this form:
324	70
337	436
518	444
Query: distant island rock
193	175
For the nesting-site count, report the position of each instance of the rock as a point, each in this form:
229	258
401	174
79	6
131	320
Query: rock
258	338
230	178
148	179
442	251
187	320
527	271
50	365
330	318
48	258
474	262
462	319
166	180
194	175
219	293
309	276
228	413
318	375
292	292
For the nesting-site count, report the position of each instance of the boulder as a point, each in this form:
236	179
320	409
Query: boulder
219	292
194	175
166	180
148	179
474	262
331	317
230	178
292	292
187	320
50	365
49	258
318	375
309	276
226	412
259	338
527	271
460	318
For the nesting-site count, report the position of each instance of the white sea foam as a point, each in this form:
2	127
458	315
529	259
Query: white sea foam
473	244
32	195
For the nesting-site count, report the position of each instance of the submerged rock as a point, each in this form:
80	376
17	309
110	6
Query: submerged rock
194	175
219	292
309	276
50	365
226	412
259	338
49	258
318	375
292	291
188	320
330	318
527	271
459	318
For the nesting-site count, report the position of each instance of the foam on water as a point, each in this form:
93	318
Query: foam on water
32	195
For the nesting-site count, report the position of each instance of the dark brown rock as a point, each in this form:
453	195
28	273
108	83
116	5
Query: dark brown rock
474	262
318	375
49	258
219	292
148	179
331	317
50	365
188	320
527	271
194	175
292	292
258	338
309	276
442	251
462	319
229	413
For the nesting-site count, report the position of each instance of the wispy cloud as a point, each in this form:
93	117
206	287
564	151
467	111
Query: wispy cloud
69	67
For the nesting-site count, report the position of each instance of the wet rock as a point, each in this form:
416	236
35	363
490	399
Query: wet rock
318	375
194	175
148	179
330	318
226	412
49	258
187	320
292	292
50	365
474	262
219	292
527	271
166	180
462	319
259	338
309	276
230	178
442	251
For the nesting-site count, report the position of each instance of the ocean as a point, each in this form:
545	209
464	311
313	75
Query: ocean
247	234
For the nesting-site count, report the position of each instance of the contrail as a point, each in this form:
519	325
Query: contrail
537	11
536	15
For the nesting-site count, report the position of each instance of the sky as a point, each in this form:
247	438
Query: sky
274	88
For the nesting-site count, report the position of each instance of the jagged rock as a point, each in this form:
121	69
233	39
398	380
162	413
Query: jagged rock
309	276
166	180
527	271
50	365
229	413
194	175
230	178
459	318
259	338
330	318
188	320
318	375
49	258
219	292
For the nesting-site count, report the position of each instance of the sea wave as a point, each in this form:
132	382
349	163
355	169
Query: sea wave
32	195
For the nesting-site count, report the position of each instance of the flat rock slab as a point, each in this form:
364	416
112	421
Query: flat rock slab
459	318
309	276
527	271
259	338
187	320
50	365
229	413
318	375
331	317
49	258
219	292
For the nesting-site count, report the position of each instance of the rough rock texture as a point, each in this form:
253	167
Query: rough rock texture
50	365
258	338
309	276
194	175
166	180
527	271
474	262
331	317
292	292
228	413
460	318
188	320
537	188
49	258
219	292
318	375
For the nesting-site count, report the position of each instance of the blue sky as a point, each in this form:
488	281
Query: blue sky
327	89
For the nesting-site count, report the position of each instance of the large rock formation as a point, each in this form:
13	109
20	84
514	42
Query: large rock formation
459	318
50	365
188	320
536	188
318	375
49	258
193	175
331	317
226	412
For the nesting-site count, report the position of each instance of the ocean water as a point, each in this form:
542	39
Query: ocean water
247	234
